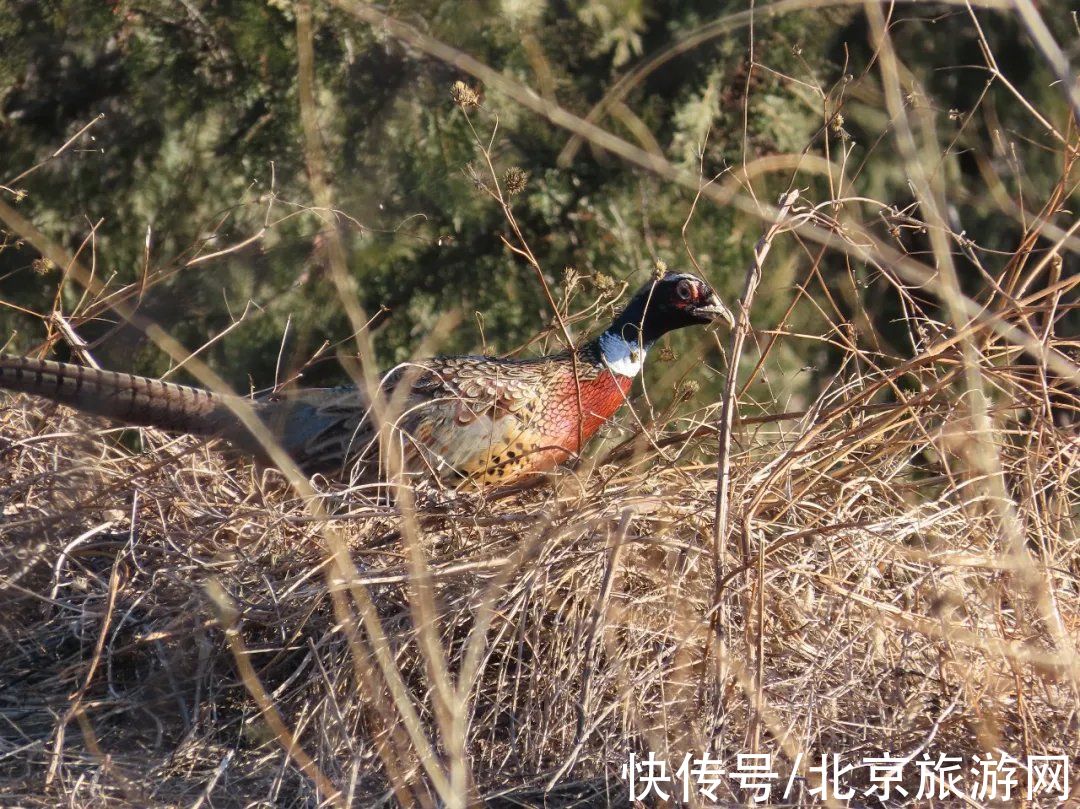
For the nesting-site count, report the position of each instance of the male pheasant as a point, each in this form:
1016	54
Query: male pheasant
493	421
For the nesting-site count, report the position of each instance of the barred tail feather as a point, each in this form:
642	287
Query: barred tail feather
135	400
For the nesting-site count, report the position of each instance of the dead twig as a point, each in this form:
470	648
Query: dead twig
721	529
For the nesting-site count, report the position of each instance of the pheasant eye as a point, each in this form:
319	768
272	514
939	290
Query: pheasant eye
684	290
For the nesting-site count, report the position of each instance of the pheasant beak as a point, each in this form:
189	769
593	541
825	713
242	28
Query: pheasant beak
714	309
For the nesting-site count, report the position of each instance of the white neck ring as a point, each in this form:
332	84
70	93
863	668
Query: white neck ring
622	357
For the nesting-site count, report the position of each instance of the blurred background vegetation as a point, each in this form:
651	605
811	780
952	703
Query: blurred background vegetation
201	144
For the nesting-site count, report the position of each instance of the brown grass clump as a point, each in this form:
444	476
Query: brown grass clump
889	602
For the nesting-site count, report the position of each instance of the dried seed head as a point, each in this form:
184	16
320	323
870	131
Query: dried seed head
43	266
464	95
659	269
666	354
570	278
605	283
474	176
515	180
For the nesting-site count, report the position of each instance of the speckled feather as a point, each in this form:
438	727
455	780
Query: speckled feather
502	420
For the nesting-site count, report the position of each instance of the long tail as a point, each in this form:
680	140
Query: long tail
136	400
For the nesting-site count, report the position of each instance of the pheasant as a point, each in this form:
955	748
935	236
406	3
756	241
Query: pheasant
488	420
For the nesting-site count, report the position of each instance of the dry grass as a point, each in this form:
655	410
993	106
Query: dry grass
888	612
898	571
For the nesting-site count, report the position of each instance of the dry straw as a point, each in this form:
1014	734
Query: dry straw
893	568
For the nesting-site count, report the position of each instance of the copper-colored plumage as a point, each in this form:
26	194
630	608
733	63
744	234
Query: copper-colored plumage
505	420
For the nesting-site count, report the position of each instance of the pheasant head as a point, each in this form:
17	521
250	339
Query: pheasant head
674	301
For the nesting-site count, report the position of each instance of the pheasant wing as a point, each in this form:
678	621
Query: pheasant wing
475	416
